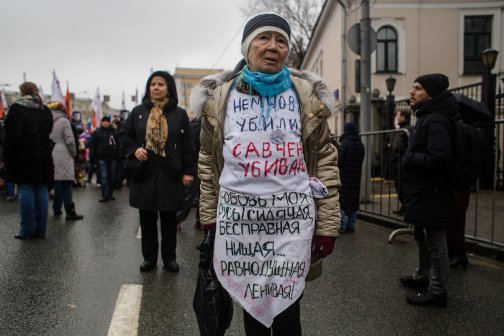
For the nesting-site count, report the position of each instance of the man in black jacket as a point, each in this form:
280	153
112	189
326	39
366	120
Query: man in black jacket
350	158
104	150
427	190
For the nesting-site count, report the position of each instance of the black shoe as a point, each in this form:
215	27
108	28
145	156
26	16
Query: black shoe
350	230
111	198
456	262
418	284
172	266
103	200
342	231
147	266
427	298
73	216
70	212
18	236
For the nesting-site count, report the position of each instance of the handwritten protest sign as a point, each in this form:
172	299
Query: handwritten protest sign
262	249
265	215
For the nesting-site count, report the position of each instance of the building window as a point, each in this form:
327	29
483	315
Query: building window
477	37
386	50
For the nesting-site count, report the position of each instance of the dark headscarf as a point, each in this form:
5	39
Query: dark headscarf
172	90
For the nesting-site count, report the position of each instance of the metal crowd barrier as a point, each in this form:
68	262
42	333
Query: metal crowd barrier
379	200
484	217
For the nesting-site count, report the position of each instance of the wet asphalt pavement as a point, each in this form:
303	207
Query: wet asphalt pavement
68	283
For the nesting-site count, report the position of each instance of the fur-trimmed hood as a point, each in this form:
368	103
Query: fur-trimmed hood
204	89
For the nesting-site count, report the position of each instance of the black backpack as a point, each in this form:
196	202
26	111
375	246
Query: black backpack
468	148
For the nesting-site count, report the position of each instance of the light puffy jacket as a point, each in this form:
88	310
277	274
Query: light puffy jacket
64	149
209	101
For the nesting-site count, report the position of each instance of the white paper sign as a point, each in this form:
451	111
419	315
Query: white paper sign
319	190
262	249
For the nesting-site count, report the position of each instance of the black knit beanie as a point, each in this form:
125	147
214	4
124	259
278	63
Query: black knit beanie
434	84
261	23
350	127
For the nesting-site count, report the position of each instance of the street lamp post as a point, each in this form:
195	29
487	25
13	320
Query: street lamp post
488	58
390	82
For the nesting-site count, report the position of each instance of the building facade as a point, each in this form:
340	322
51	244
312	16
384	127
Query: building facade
413	37
186	79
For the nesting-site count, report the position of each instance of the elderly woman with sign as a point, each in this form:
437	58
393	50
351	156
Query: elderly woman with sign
269	177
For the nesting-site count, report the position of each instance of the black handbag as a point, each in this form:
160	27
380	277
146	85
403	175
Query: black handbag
135	169
212	304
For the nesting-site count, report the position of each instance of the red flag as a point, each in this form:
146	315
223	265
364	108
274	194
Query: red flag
2	112
68	103
93	120
3	104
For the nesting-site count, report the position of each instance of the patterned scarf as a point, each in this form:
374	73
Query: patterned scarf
29	101
157	128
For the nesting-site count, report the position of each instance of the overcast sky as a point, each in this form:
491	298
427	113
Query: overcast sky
114	43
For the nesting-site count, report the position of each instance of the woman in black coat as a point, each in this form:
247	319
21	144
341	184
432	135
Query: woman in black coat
350	158
28	159
158	133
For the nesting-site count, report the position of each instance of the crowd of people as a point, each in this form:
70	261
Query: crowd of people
279	184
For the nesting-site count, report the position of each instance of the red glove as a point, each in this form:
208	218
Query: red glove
323	246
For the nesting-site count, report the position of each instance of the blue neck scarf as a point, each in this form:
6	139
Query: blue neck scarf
267	85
